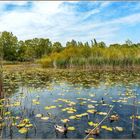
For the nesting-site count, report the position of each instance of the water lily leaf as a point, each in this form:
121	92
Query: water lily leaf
14	124
84	114
23	130
106	128
35	102
72	117
17	117
78	115
92	123
71	128
25	120
7	113
136	117
120	129
102	113
70	112
93	101
44	118
29	125
50	107
21	125
90	139
38	115
92	95
65	120
92	111
91	106
2	124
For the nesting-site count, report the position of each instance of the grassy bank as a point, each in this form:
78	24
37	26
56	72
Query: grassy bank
36	67
83	57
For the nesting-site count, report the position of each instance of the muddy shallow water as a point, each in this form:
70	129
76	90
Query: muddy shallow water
27	102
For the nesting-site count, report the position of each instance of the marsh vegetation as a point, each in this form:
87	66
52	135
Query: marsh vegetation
37	99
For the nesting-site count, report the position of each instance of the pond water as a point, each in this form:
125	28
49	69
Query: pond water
50	103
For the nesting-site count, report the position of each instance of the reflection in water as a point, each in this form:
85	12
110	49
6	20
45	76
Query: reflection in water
35	103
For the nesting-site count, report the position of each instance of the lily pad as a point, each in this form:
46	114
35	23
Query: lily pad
72	117
92	111
44	118
65	120
106	128
38	115
23	130
120	129
71	128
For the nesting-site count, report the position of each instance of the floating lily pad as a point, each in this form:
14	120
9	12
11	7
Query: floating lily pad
92	111
38	115
102	113
44	118
50	107
72	117
120	129
65	120
23	130
71	128
106	128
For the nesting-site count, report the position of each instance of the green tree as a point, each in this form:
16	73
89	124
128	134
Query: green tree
128	42
57	47
9	44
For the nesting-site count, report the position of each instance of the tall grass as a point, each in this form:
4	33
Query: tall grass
86	57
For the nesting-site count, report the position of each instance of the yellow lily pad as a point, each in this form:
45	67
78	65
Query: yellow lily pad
50	107
23	130
92	111
65	120
120	129
72	117
90	139
29	125
44	118
38	115
102	113
91	106
106	128
71	128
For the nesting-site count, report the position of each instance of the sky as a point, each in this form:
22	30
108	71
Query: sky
108	21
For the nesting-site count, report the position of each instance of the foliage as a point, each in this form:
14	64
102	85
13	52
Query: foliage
74	54
85	57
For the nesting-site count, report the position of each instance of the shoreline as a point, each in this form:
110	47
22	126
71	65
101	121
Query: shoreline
33	66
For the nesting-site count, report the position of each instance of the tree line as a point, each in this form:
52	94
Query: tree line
73	54
28	50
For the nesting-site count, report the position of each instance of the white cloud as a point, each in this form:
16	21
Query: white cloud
59	22
47	7
14	2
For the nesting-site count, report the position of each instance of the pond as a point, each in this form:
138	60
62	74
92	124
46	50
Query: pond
31	110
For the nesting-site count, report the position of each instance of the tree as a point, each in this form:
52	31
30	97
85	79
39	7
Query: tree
128	42
101	44
21	51
57	47
9	45
72	43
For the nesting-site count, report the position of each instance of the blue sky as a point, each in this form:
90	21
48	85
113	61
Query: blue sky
108	21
